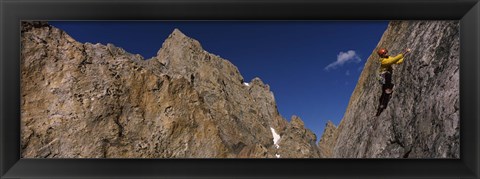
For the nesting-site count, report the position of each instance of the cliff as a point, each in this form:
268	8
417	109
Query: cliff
99	101
422	117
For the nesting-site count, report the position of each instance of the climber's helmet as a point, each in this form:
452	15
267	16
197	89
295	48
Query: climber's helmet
382	52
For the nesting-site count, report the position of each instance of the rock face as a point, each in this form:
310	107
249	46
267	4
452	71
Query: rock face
297	141
328	140
99	101
422	117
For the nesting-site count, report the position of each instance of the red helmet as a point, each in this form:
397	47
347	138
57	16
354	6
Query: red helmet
382	52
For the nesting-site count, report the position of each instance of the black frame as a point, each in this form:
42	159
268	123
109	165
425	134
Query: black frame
13	11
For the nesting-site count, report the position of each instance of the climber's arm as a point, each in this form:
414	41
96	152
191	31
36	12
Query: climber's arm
397	59
404	53
400	61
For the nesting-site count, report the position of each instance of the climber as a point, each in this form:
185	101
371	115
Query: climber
385	75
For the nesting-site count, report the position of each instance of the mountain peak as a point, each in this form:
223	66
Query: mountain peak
296	121
177	33
330	124
327	140
177	36
178	40
184	103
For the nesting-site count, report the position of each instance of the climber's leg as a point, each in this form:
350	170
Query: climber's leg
388	91
381	103
388	86
384	98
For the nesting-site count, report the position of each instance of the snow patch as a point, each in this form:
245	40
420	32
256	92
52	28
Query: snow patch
246	84
276	137
276	155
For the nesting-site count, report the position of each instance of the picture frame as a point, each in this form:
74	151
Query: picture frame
12	12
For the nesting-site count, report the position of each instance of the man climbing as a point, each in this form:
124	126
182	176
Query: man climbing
385	75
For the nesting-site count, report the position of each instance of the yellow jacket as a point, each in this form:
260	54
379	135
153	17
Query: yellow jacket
386	63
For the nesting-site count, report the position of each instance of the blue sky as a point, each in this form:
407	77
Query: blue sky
312	67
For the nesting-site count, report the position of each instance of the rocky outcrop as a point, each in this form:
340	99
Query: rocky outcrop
328	139
422	117
99	101
297	141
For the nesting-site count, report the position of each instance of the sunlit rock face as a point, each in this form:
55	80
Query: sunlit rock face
328	140
99	101
422	117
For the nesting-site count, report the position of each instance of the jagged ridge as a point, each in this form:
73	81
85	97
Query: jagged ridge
183	103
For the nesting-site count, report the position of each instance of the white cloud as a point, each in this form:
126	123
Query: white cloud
344	57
